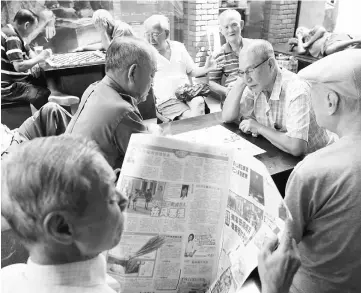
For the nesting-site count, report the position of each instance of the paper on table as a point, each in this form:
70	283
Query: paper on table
219	135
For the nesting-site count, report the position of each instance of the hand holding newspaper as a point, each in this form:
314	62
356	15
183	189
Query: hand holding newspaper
207	210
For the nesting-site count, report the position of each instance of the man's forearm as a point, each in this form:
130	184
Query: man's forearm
300	46
231	106
199	71
293	146
93	47
217	88
24	65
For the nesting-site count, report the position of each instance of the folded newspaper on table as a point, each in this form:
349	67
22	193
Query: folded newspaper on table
197	217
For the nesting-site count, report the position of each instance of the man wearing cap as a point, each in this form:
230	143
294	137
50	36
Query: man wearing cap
323	191
273	102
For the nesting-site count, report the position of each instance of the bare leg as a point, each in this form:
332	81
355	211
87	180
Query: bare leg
341	45
197	106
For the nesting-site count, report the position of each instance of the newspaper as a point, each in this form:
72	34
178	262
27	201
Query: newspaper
197	216
220	135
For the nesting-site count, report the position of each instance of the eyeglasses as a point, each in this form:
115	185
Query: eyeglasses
250	70
153	35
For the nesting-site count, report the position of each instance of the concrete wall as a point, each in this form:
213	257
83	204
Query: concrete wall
312	13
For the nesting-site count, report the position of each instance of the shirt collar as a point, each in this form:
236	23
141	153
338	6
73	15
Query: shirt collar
228	47
277	86
85	273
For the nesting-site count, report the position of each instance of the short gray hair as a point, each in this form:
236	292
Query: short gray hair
158	20
123	52
48	174
261	48
102	14
229	12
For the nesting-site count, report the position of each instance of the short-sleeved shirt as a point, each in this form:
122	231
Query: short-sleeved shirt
231	64
13	49
323	196
121	29
173	73
109	117
288	110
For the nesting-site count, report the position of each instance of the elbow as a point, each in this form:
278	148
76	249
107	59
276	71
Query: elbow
227	117
298	148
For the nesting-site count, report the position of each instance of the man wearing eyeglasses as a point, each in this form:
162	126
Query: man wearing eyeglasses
273	102
175	67
230	26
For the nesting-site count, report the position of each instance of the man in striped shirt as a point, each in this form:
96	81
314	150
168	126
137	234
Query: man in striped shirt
20	78
231	25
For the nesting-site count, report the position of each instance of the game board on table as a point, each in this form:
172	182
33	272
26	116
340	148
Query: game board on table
219	135
76	59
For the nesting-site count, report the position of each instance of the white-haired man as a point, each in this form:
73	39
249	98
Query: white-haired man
323	191
273	102
230	26
108	29
67	211
175	67
108	112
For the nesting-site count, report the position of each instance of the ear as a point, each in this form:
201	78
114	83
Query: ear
58	227
167	33
131	73
333	101
272	63
26	25
242	24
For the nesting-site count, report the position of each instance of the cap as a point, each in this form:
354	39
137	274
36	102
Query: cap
340	72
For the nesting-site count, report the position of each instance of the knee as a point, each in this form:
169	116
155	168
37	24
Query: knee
198	101
50	107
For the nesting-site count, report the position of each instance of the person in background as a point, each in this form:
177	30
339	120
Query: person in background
273	102
108	112
108	29
21	79
319	43
184	191
230	26
148	198
175	67
67	211
323	191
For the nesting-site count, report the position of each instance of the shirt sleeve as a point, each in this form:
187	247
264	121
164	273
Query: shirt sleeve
298	199
131	123
187	59
298	112
14	49
123	30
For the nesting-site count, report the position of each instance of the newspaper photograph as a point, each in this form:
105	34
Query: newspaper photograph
197	216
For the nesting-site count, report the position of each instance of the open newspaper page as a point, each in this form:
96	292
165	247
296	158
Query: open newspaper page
255	211
178	195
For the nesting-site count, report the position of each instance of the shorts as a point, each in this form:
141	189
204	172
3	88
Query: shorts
332	39
172	109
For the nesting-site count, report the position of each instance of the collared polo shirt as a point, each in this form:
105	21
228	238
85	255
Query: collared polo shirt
231	64
288	110
109	117
79	277
13	49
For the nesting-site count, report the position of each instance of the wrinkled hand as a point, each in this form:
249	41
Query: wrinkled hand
277	267
250	126
50	32
45	54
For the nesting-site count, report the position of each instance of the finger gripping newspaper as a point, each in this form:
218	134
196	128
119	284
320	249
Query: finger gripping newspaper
197	217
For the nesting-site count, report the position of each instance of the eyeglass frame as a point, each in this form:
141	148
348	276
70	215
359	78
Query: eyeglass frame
251	70
153	35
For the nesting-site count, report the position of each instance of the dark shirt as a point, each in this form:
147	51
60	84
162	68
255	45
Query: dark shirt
109	117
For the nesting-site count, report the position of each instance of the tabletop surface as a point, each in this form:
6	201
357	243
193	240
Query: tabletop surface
275	160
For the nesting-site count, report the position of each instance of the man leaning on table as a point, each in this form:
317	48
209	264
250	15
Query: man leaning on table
273	102
323	192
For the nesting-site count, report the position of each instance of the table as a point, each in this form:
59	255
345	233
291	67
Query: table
275	160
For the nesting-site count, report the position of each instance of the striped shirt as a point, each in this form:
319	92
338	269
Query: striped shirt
288	110
13	49
231	65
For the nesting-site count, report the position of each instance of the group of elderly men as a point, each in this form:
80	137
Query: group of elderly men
62	202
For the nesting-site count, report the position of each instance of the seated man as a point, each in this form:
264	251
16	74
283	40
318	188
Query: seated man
274	103
68	211
50	120
230	26
175	67
108	29
318	42
108	111
323	192
20	73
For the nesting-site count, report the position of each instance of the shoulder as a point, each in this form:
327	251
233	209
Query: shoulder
293	85
12	278
121	25
8	32
178	46
246	41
